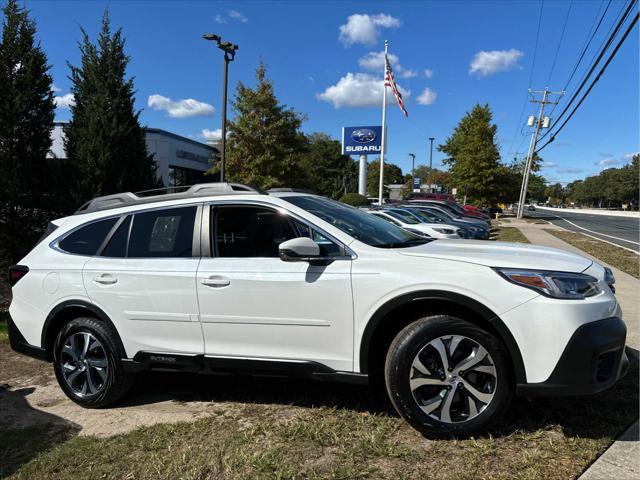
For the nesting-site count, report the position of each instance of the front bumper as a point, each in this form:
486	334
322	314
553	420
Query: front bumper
20	345
593	360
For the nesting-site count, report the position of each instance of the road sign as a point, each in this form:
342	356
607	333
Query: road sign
361	140
416	183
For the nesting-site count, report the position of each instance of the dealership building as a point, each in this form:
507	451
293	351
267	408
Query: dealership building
180	160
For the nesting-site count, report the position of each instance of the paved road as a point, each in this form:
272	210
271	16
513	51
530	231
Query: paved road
623	231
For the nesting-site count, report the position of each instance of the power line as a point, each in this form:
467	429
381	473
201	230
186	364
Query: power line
595	80
564	28
587	42
593	67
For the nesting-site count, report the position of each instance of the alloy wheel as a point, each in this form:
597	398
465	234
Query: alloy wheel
453	379
83	362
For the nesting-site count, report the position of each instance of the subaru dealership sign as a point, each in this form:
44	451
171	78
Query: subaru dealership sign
361	140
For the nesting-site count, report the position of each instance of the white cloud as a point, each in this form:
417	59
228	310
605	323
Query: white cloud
427	97
187	107
219	19
428	73
549	165
211	135
629	156
236	15
358	90
375	61
487	63
365	29
64	101
608	162
54	88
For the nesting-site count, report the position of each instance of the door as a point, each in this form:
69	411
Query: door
144	279
252	304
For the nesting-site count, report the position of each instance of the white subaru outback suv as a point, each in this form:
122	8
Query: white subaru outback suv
227	278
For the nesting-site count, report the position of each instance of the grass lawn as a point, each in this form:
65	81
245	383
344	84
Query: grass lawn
619	258
279	428
4	332
509	234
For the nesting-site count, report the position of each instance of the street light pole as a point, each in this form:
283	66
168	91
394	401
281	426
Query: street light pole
229	50
431	139
413	171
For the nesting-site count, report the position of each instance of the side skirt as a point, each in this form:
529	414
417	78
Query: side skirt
228	365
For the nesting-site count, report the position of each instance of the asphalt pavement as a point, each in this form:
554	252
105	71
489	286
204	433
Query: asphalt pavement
623	231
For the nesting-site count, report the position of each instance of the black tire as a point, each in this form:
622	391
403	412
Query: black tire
416	340
116	382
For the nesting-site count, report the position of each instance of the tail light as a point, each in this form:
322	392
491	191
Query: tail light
16	272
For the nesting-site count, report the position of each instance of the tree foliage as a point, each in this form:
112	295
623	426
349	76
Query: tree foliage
26	121
326	171
473	156
613	187
104	141
392	175
265	142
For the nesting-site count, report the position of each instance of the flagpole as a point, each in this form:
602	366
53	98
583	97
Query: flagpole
384	123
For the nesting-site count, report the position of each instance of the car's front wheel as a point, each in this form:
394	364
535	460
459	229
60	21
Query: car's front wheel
87	363
447	376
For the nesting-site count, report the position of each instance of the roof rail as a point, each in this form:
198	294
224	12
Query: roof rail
199	190
288	189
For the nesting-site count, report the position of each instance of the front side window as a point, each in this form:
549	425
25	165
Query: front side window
162	233
86	240
250	231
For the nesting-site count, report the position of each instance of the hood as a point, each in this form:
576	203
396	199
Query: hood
501	254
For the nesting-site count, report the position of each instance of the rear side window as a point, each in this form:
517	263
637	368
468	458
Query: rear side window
162	233
86	240
117	246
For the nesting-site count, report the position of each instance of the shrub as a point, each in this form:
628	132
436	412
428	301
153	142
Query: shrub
354	199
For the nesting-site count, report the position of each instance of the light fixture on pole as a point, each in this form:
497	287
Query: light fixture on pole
431	139
229	50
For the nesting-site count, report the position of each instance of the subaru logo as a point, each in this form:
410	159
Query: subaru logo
363	135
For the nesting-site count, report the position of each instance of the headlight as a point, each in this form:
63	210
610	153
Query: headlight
446	231
575	286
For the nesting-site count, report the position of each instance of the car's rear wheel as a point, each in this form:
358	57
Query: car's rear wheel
447	376
87	363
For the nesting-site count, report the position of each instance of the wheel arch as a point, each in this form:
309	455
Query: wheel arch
384	325
66	311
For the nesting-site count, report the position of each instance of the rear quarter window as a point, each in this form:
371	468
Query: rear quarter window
87	239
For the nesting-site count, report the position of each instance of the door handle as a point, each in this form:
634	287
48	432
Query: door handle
216	282
105	279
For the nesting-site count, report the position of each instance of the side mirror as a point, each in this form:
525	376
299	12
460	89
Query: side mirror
301	249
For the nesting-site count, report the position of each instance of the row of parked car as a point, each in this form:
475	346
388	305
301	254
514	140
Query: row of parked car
436	219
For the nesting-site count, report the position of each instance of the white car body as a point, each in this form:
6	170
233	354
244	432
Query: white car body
434	230
266	310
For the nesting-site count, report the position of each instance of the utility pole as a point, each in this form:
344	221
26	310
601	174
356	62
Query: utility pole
413	172
431	139
540	122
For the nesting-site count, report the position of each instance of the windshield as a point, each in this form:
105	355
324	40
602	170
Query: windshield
424	216
437	213
404	217
448	210
358	224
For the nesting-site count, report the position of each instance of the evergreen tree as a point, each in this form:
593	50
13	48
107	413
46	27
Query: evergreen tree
265	142
473	156
104	140
328	172
26	121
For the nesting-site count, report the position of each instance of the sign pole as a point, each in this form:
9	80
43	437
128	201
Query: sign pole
384	123
362	177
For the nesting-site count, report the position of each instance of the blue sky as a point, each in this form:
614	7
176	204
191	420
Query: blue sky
450	55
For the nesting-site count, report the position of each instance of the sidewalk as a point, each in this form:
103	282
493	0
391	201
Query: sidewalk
592	211
621	461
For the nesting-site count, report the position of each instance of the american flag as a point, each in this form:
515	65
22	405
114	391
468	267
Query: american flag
389	81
